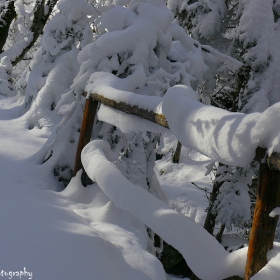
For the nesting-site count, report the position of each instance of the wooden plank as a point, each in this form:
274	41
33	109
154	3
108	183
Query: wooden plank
132	110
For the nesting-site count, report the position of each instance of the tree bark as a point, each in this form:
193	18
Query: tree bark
263	228
7	15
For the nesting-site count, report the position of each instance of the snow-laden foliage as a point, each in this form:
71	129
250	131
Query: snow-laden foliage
5	70
149	54
137	48
205	16
146	51
232	205
19	31
45	84
246	30
143	38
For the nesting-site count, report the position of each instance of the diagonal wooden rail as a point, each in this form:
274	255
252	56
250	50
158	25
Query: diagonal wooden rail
268	194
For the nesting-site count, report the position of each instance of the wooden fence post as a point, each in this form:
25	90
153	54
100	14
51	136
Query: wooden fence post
263	228
86	130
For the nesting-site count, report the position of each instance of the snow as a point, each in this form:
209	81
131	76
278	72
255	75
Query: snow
79	232
75	10
230	138
74	234
257	27
100	232
127	123
199	247
182	195
120	90
117	18
275	212
209	15
156	214
141	28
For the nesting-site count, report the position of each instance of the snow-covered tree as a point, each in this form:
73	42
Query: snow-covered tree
246	30
224	50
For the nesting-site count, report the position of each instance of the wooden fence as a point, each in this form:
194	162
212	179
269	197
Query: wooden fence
268	193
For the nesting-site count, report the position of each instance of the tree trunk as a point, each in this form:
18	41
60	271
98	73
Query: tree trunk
220	233
7	15
39	21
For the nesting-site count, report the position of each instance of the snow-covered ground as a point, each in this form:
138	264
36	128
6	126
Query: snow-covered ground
75	234
79	233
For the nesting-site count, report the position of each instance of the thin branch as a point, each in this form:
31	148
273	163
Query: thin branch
202	189
135	162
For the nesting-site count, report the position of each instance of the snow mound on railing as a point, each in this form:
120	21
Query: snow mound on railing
205	256
230	138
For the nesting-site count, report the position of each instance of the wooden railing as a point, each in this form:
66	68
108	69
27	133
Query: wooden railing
268	193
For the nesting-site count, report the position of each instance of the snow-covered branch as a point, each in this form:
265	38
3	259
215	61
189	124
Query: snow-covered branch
42	11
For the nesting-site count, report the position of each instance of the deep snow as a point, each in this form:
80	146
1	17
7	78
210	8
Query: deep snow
80	234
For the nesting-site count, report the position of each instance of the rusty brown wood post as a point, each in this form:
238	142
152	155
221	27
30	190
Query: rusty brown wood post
86	130
263	228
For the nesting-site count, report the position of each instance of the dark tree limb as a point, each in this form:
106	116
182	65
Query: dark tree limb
210	220
7	15
177	154
220	233
39	21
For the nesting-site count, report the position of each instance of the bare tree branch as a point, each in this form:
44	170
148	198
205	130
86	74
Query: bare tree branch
7	15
